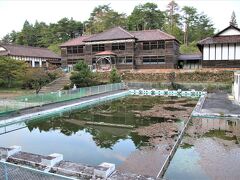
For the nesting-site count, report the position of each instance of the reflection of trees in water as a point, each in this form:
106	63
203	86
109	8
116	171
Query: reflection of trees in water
65	128
104	137
121	111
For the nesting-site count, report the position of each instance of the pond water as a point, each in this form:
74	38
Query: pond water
209	150
69	135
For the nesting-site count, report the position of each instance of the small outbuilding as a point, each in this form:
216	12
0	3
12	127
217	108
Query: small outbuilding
190	61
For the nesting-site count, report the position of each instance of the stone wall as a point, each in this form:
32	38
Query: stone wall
196	77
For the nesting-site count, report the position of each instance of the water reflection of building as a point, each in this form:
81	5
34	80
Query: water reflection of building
236	87
206	124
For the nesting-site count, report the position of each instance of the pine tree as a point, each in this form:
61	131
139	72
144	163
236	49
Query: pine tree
233	21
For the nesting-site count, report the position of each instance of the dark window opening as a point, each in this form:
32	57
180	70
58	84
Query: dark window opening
153	45
125	60
93	60
129	60
98	47
75	50
118	46
153	59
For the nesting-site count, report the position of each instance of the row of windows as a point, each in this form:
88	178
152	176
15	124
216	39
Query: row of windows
120	60
153	45
101	47
153	59
75	50
28	58
125	60
116	46
145	60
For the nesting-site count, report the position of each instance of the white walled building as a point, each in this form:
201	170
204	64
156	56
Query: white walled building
34	56
222	50
236	87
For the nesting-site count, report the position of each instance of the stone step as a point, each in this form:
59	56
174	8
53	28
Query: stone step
56	85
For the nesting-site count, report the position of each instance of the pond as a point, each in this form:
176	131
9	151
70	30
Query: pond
209	150
73	135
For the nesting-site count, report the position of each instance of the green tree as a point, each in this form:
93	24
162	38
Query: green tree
146	16
55	48
11	70
10	37
36	78
114	76
233	20
196	26
27	35
102	18
82	75
173	21
190	49
189	17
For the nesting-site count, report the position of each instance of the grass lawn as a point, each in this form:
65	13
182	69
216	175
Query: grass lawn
13	92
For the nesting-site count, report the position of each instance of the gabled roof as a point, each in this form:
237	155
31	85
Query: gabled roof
76	41
219	38
111	34
28	51
151	35
227	28
188	57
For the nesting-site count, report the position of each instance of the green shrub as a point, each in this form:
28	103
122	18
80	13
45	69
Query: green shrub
66	87
114	76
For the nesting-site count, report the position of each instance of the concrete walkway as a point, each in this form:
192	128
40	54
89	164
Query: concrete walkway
56	105
220	104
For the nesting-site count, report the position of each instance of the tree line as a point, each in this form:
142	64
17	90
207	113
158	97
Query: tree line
186	24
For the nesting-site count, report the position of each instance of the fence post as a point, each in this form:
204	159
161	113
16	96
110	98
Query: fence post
5	171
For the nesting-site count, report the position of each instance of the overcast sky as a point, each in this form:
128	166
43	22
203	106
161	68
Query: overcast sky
13	13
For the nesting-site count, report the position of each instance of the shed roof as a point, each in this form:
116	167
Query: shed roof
190	57
28	51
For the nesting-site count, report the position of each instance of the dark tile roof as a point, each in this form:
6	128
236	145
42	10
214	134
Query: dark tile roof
190	57
220	39
151	35
28	51
119	33
76	41
111	34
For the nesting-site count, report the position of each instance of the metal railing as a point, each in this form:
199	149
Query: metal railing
27	101
209	87
9	171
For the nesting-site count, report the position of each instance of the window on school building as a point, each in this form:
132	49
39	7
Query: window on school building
153	45
93	60
98	47
153	59
75	50
118	46
125	60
